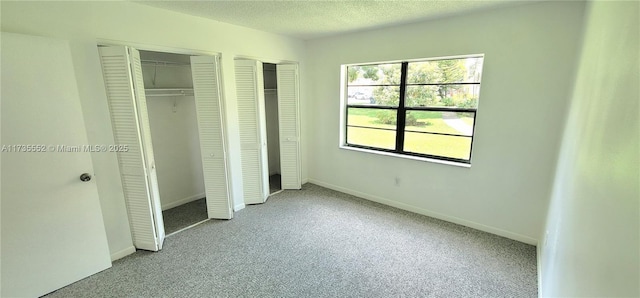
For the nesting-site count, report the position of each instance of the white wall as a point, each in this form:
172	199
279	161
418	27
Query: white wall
83	23
176	147
271	111
273	132
174	130
529	63
591	245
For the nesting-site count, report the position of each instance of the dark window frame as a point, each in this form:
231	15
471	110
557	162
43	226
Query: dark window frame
401	114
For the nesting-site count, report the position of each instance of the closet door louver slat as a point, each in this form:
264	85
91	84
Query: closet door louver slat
247	92
289	122
204	71
126	130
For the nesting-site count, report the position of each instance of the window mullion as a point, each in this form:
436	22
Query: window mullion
401	118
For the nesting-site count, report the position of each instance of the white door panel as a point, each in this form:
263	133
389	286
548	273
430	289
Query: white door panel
52	228
289	125
252	126
147	145
209	107
122	83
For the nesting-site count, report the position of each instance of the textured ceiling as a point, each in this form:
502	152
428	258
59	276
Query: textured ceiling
313	19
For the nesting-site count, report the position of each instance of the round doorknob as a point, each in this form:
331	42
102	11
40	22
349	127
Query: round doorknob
85	177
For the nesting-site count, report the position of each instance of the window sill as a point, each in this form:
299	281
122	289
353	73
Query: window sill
432	160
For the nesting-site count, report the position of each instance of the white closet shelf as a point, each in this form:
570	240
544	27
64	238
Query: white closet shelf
169	92
164	63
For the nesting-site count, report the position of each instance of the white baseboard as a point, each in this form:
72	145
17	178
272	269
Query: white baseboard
123	253
238	207
403	206
183	201
306	180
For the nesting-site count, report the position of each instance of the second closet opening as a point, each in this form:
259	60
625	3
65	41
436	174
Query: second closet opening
271	117
173	124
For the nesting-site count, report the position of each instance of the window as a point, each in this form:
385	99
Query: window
421	108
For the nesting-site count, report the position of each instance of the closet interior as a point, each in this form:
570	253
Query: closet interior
271	113
173	124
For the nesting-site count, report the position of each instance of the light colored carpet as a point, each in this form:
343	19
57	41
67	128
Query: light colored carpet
182	216
320	243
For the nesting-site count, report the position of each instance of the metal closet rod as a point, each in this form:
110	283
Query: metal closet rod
168	92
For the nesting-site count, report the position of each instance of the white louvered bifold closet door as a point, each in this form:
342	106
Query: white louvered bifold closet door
289	121
250	99
206	83
147	145
127	131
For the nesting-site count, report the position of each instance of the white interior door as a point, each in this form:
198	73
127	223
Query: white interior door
209	107
125	92
52	228
289	125
253	133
